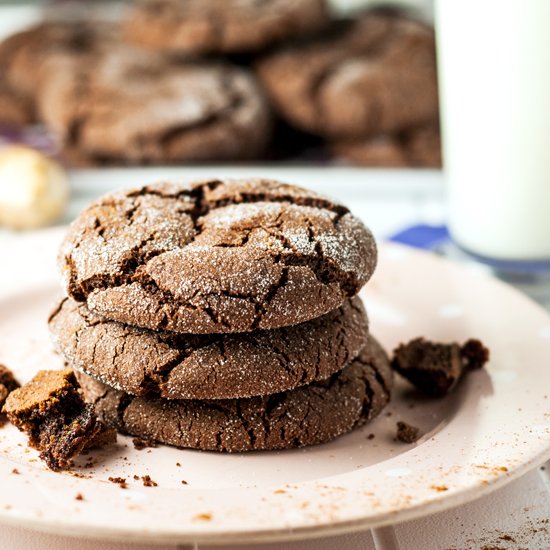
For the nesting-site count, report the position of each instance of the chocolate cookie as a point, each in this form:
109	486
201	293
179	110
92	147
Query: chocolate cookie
51	411
138	107
308	415
372	75
24	55
199	27
215	256
416	148
187	366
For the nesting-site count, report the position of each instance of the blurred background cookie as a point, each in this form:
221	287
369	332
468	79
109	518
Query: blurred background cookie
221	26
131	106
24	55
415	147
372	75
14	109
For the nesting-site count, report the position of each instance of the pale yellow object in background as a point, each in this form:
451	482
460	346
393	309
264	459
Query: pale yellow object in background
34	190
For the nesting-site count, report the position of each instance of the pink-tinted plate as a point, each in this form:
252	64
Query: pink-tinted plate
491	430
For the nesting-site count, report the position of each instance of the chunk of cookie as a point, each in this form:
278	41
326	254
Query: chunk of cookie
221	26
188	366
419	147
407	433
436	368
50	409
308	415
130	106
215	256
8	383
369	76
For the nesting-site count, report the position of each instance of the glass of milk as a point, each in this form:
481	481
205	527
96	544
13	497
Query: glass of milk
494	77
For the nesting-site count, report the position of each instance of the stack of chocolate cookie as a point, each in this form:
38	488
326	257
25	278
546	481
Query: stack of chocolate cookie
222	315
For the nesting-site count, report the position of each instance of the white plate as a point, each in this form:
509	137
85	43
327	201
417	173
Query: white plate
491	430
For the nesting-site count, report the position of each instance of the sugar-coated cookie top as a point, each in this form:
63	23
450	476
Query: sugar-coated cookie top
216	256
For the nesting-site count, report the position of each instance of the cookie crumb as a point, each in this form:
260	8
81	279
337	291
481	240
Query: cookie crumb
370	436
120	481
90	463
79	496
140	444
435	368
183	482
178	464
407	433
16	472
148	482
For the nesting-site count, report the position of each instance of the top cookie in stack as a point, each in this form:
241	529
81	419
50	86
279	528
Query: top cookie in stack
216	256
228	304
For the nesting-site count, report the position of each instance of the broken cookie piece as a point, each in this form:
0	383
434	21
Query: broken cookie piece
8	383
435	368
407	433
50	409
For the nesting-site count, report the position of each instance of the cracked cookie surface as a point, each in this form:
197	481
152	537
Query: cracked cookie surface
132	106
372	75
198	27
309	415
215	256
188	366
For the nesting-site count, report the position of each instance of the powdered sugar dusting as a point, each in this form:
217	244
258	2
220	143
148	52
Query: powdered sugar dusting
215	256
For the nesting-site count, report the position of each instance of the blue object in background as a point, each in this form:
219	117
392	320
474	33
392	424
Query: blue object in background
427	237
